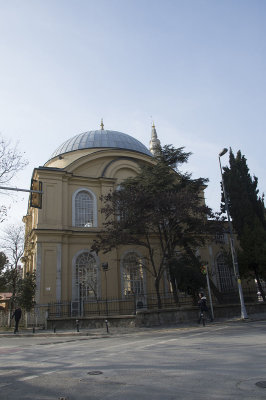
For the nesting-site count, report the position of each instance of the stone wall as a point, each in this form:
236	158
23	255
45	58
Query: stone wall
147	318
189	314
91	322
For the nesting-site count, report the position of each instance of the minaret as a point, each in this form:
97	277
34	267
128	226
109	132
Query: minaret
154	142
102	125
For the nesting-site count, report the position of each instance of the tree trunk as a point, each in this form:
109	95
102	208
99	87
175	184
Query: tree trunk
26	320
174	287
159	301
11	311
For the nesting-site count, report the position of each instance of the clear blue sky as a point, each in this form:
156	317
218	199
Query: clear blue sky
197	68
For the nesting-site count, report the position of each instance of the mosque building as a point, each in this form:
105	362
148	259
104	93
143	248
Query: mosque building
59	235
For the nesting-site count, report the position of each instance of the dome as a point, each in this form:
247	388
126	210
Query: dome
101	139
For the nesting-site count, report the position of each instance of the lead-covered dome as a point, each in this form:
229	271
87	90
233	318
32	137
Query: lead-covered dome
101	139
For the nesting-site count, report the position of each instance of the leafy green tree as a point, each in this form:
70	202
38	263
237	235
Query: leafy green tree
247	210
161	210
186	272
26	291
3	264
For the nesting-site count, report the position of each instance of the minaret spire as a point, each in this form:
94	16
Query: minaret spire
154	142
102	125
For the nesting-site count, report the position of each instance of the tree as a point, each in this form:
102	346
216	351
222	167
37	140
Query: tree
11	161
13	245
186	273
161	210
3	263
26	291
248	217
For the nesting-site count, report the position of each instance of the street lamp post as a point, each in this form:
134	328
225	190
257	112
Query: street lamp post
233	252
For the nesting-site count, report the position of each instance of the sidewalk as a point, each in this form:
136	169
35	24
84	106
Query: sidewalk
94	333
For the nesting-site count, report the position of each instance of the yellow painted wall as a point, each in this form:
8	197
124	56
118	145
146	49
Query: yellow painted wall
51	227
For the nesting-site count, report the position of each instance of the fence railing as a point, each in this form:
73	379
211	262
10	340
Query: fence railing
129	305
29	319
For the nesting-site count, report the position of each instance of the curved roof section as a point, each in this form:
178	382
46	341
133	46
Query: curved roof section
101	139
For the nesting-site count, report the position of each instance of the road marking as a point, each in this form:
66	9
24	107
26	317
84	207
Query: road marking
5	384
11	372
8	350
27	378
49	372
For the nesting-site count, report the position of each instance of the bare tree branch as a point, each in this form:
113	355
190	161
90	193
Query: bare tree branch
11	161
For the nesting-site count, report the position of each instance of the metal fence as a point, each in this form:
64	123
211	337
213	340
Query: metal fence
250	293
129	305
29	319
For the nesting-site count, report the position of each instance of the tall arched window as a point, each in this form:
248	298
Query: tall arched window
86	277
84	213
132	274
225	274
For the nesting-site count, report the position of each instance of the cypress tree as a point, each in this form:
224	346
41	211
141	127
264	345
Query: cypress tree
247	210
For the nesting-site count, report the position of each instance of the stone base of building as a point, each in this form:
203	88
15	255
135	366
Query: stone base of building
147	318
188	314
91	322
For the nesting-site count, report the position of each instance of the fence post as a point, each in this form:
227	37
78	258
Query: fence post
9	319
46	317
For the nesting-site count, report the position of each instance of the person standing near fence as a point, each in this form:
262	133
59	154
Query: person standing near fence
17	314
203	307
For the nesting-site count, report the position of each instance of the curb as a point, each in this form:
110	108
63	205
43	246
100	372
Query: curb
99	334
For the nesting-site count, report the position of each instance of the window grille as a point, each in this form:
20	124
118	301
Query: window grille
225	276
132	275
86	276
84	209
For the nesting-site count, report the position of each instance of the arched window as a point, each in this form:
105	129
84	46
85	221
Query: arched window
84	213
132	274
86	277
224	273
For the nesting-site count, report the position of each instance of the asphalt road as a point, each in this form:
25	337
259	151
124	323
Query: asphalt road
220	361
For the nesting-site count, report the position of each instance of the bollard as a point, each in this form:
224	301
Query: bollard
54	329
77	325
107	328
33	329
